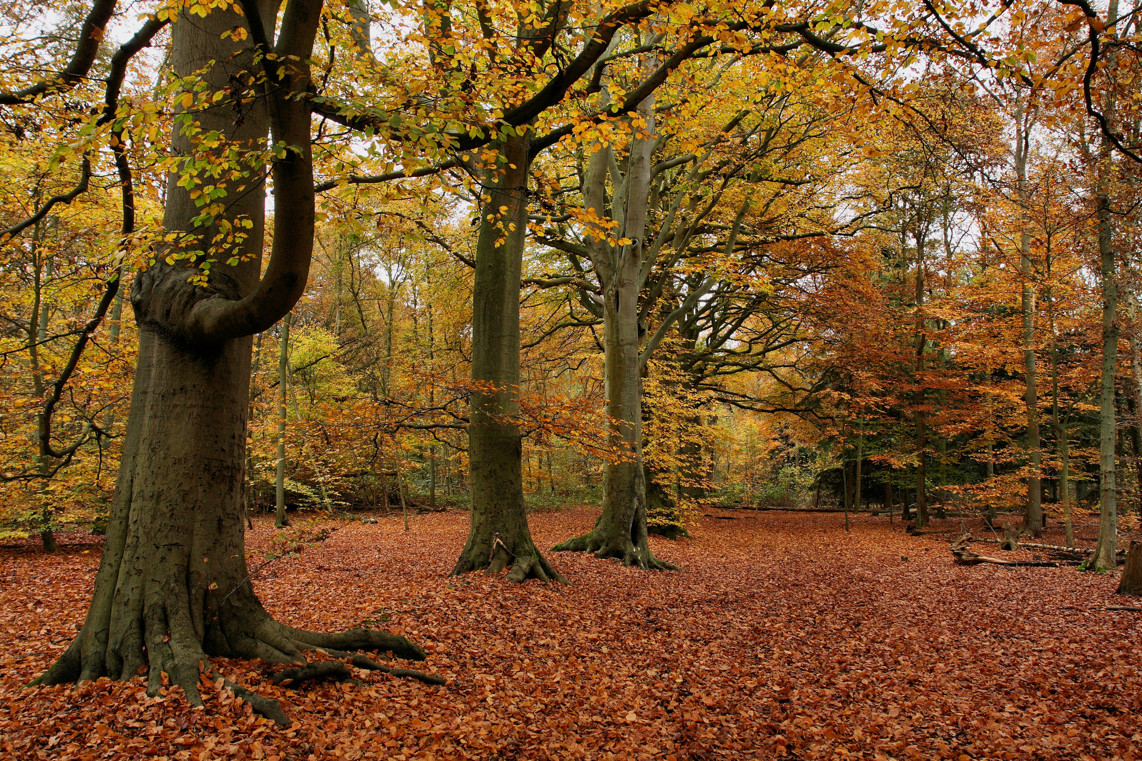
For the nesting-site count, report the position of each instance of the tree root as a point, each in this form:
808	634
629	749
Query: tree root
262	705
533	567
525	562
625	552
173	652
367	663
294	676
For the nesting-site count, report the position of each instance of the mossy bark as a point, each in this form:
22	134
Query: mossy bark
498	536
173	587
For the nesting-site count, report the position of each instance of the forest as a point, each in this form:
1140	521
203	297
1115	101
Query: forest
778	365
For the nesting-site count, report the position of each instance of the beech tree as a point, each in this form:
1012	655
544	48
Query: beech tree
173	586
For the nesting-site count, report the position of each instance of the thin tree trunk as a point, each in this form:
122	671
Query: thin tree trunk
1136	404
921	413
1103	557
846	489
280	518
403	504
1062	435
1033	514
38	332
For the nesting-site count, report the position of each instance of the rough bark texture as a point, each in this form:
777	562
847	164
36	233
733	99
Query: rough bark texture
280	518
1103	557
498	536
921	412
173	588
1131	582
1136	400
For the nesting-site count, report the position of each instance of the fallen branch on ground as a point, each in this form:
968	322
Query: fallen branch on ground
964	556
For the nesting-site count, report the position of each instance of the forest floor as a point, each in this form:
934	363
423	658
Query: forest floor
782	636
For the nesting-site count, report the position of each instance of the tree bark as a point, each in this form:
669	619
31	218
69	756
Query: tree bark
1131	581
921	413
1136	402
1033	514
173	587
280	518
621	530
498	536
1062	435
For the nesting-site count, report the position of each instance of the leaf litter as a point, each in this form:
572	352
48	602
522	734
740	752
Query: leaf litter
781	637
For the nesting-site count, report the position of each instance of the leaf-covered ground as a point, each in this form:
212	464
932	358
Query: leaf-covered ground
782	636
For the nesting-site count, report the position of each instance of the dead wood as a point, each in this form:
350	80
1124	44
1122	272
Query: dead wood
1010	540
964	556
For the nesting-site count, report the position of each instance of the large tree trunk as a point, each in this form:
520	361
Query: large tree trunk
1103	557
621	530
498	536
173	587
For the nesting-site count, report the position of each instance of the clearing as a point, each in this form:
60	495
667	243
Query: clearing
782	636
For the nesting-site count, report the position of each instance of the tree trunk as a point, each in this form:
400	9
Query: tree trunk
621	530
921	413
1033	514
1136	404
498	536
173	587
38	333
280	518
1061	435
1103	557
1131	582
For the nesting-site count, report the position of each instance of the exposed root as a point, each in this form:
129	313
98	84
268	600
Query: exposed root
165	647
525	561
367	663
262	705
533	567
357	639
576	544
625	552
335	671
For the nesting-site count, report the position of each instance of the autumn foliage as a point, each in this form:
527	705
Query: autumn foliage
497	279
